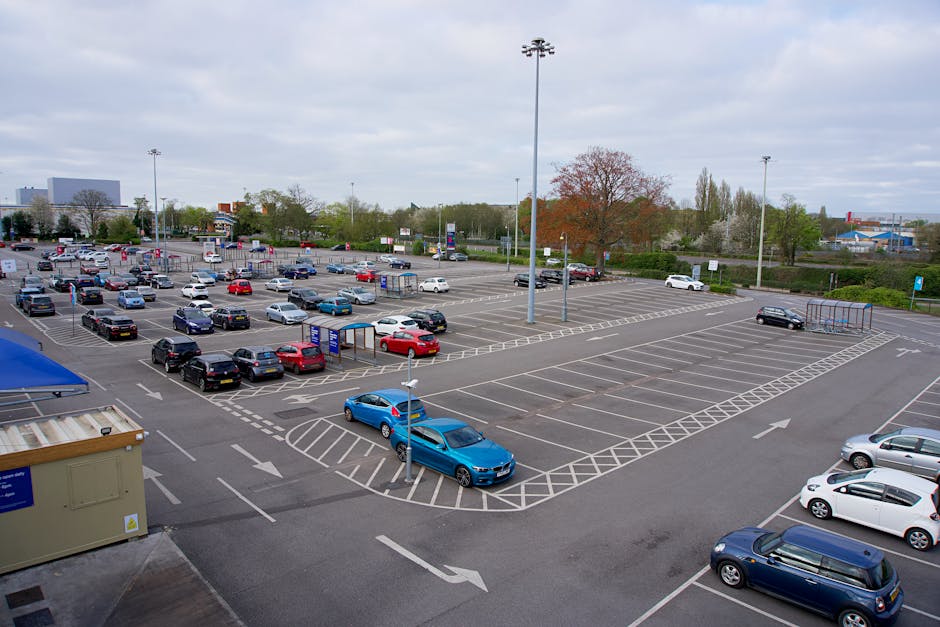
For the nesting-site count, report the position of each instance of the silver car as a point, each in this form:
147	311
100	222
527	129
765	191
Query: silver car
285	313
357	295
912	449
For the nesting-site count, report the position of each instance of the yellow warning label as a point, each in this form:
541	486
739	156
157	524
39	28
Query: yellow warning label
131	524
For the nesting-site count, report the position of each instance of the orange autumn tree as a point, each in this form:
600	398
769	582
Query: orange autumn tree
603	199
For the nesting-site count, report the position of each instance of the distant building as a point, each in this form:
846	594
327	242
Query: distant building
62	190
25	195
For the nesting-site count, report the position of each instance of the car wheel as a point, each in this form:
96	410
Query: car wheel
411	353
251	376
691	287
189	331
918	539
386	430
402	451
791	326
588	279
854	618
516	283
296	368
333	312
268	316
760	320
384	346
420	288
347	414
153	358
668	284
202	384
820	509
436	290
860	461
731	574
464	478
226	325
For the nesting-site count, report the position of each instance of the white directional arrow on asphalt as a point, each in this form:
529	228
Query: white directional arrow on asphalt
155	395
267	467
600	337
460	574
153	475
904	351
8	324
301	399
714	313
782	424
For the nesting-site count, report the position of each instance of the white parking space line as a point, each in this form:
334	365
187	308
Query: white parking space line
777	353
681	361
448	410
590	361
918	413
544	441
747	363
683	396
921	612
732	370
250	504
672	409
695	385
529	392
612	413
684	350
554	382
696	337
588	376
489	400
728	597
636	361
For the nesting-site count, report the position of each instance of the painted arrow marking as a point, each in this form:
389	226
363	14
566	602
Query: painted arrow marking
301	399
600	337
155	395
8	324
460	574
782	424
154	476
267	467
904	351
714	313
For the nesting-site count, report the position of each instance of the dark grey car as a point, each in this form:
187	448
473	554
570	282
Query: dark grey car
258	362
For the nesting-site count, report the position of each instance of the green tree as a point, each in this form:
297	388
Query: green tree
792	229
122	229
22	223
43	216
143	215
102	231
65	227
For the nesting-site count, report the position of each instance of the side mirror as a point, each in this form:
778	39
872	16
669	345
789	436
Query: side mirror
886	446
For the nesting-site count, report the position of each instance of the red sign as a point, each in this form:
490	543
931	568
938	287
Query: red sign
156	253
239	245
123	255
270	250
347	246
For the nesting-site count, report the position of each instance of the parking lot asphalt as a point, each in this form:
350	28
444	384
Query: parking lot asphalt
634	427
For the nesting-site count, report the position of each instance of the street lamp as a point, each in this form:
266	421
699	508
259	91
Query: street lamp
163	198
153	152
508	247
440	210
539	47
564	281
410	385
763	209
517	218
352	194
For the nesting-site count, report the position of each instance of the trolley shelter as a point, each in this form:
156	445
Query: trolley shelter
836	316
332	335
398	284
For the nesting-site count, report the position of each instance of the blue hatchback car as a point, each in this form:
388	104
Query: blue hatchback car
383	409
827	573
336	306
130	299
192	320
455	449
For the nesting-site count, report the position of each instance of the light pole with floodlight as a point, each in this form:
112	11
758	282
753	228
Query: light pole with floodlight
352	195
508	247
763	209
153	152
539	48
440	210
564	281
516	253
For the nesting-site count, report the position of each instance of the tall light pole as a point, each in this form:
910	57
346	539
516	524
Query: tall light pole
564	281
517	217
153	152
410	386
763	209
352	194
539	48
508	247
164	252
440	254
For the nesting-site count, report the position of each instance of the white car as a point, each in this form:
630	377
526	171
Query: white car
364	265
390	324
202	277
279	284
553	261
206	307
102	263
890	500
62	257
212	258
285	313
195	290
386	258
434	284
684	282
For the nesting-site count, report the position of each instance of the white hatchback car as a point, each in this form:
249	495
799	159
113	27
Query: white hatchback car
390	324
684	282
206	307
890	500
195	290
434	284
212	258
202	277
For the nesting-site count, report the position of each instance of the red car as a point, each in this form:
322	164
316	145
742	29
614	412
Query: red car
115	284
412	343
240	286
301	357
367	276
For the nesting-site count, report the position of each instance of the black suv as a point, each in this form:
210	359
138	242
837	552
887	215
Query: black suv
304	297
780	316
429	319
39	305
174	351
211	372
522	279
231	318
90	296
555	276
257	362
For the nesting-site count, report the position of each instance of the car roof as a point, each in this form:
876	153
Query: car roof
257	349
832	545
921	432
393	394
445	424
214	357
901	479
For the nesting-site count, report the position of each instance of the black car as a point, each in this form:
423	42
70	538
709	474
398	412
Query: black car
22	246
522	279
84	280
304	297
132	280
38	305
554	276
135	270
44	264
61	283
399	263
161	282
295	272
90	296
780	316
117	327
174	351
91	317
258	362
338	247
429	319
231	318
211	372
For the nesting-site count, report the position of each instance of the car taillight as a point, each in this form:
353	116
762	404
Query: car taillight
395	412
133	327
880	604
255	364
934	516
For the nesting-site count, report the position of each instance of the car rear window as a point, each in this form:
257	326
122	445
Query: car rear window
267	355
416	405
313	351
426	338
238	312
437	317
881	575
42	300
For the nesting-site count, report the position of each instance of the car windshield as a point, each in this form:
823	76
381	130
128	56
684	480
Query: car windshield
880	437
416	405
765	544
308	292
464	436
313	351
195	314
791	313
131	295
289	307
842	477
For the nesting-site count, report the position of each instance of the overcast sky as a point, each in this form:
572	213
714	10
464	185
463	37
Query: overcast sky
431	101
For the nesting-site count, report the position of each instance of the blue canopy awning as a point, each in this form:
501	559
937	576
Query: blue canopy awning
26	371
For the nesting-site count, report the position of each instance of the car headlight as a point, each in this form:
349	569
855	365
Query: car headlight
719	548
812	486
480	468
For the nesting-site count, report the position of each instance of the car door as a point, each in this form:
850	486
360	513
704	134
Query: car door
159	351
860	502
430	448
927	459
239	357
897	510
897	452
365	409
791	572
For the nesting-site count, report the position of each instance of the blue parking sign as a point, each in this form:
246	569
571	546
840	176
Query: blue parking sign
383	281
918	283
334	342
315	335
